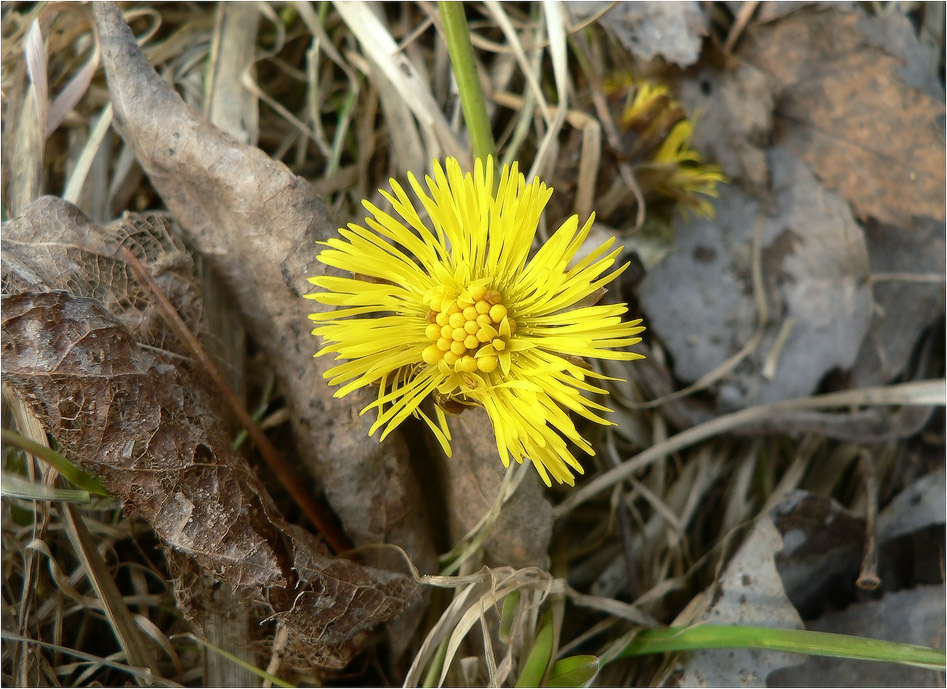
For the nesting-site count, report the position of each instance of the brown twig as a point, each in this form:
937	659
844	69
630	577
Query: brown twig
868	579
317	513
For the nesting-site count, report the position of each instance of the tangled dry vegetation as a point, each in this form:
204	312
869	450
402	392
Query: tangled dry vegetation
778	459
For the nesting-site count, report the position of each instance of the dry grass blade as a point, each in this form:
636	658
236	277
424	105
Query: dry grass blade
73	92
80	173
30	426
138	651
382	49
925	393
499	14
544	164
37	68
868	579
142	675
120	617
29	142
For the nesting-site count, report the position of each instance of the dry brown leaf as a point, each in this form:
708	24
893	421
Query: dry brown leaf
258	224
144	425
853	102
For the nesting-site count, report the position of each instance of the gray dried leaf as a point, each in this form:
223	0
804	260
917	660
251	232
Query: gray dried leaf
734	120
815	264
907	266
749	592
671	30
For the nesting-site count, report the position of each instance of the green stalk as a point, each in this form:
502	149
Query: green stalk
468	81
538	659
703	637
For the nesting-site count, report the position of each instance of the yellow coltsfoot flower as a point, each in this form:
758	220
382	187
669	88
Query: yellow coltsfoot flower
454	310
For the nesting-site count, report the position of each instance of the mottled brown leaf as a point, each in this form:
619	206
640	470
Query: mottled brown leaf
138	420
54	246
854	102
258	224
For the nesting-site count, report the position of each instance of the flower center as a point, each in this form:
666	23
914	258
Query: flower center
468	330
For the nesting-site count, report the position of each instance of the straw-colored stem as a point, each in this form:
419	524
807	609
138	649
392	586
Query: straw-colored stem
468	81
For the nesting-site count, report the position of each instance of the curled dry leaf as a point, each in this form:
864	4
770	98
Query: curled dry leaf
54	246
258	224
74	325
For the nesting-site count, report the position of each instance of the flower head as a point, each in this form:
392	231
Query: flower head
454	310
658	141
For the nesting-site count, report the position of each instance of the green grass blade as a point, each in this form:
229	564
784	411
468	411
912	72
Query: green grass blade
535	666
703	637
574	671
69	470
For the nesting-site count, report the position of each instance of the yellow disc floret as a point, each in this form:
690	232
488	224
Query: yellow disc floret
466	329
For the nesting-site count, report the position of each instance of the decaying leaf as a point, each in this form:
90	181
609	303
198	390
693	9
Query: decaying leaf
258	224
138	420
52	245
857	103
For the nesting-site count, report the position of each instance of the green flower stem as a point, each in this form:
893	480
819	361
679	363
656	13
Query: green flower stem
69	470
468	81
793	640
